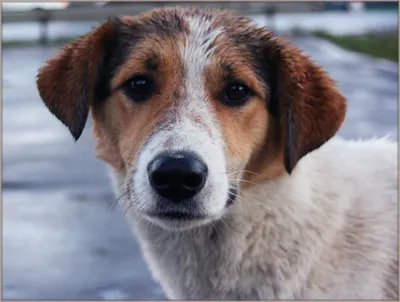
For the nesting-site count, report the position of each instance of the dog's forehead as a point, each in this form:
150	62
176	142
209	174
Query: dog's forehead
188	34
191	25
192	20
168	42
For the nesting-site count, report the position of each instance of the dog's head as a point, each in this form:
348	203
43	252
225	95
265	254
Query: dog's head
190	105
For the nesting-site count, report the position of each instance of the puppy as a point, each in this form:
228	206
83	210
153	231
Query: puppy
220	140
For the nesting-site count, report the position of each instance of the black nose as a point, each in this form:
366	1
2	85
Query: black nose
177	175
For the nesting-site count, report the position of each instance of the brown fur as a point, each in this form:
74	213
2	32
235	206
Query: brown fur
310	109
66	82
129	124
313	109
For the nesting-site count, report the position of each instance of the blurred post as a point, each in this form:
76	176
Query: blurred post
44	17
270	13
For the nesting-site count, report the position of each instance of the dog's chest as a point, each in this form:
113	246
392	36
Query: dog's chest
206	265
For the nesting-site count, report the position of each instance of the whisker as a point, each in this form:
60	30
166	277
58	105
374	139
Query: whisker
246	171
215	228
246	181
247	203
228	224
237	195
112	205
140	219
129	207
174	246
129	164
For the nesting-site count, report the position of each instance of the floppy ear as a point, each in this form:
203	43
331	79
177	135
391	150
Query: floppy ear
309	107
66	83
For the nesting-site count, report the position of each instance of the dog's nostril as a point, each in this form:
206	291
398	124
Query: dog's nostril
193	180
160	179
177	175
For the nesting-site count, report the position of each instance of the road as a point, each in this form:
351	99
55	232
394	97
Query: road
60	239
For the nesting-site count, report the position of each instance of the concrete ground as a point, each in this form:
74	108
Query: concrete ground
60	239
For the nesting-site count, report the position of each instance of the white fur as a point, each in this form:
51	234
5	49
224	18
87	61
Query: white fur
196	51
184	133
328	231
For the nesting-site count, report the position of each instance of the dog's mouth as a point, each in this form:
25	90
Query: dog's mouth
232	194
176	215
192	212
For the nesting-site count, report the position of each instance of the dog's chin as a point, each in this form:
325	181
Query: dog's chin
172	219
189	215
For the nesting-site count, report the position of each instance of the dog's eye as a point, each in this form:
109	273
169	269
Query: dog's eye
139	88
236	94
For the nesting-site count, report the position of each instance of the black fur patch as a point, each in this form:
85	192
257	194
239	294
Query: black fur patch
115	52
233	192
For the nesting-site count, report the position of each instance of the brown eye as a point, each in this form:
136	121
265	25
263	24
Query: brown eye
236	94
139	88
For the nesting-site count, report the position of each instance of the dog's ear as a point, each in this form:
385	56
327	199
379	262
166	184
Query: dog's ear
303	97
66	83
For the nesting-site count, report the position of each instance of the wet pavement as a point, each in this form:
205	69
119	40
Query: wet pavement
60	239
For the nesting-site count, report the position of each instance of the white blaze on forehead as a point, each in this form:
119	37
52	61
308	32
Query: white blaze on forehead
197	51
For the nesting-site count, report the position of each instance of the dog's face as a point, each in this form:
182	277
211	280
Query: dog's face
191	105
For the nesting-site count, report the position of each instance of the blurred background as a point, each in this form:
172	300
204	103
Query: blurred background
61	240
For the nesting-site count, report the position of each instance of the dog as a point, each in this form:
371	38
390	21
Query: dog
220	138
